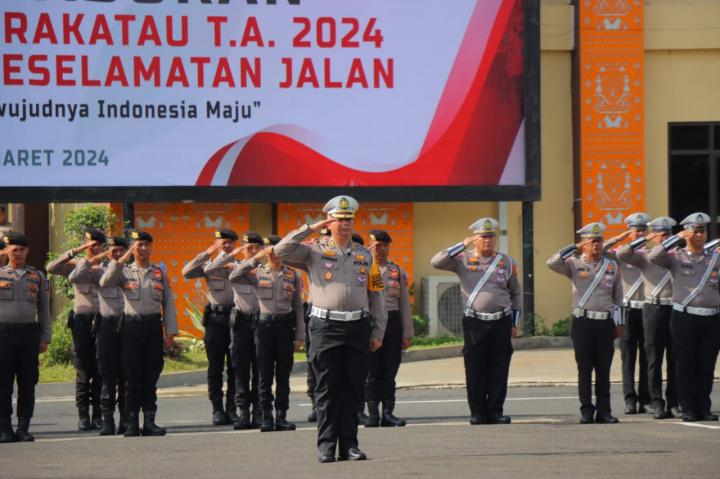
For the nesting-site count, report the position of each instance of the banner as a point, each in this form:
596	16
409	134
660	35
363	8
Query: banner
136	93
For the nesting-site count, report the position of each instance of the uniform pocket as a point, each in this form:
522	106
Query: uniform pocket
83	288
132	290
216	284
265	293
109	292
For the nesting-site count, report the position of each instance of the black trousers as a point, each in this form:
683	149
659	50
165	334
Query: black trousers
594	348
108	345
142	363
244	362
274	349
217	350
658	344
696	340
310	376
487	351
87	377
632	351
385	362
19	349
339	355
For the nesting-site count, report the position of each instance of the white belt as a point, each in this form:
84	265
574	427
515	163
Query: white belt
338	315
696	311
635	304
661	301
487	316
586	313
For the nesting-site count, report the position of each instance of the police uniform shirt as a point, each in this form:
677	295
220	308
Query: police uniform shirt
219	289
687	269
146	291
502	289
340	280
582	272
24	298
242	290
86	291
629	274
110	298
278	292
397	296
652	275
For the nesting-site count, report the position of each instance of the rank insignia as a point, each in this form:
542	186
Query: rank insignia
328	275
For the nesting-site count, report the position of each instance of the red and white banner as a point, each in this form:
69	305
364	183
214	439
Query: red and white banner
241	93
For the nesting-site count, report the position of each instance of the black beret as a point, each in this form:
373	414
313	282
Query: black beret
13	238
118	241
380	235
94	234
358	239
138	235
272	239
325	232
253	237
226	234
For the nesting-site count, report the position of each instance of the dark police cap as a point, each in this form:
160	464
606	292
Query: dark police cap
358	239
272	239
118	241
380	235
253	237
138	235
13	238
226	235
94	234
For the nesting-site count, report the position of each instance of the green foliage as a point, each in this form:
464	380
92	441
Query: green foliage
59	351
421	325
196	316
437	341
96	216
561	327
541	328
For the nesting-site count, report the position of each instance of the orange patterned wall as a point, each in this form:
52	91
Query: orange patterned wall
612	165
181	231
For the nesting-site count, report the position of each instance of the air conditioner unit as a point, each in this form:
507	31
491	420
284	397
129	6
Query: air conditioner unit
442	305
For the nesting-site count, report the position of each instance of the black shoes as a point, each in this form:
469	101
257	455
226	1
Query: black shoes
362	418
97	420
630	407
676	412
312	417
587	419
22	430
231	414
690	416
352	454
324	457
132	425
108	425
84	423
281	422
243	421
476	419
373	417
388	418
659	412
498	419
267	423
646	409
605	418
6	431
219	418
149	426
708	416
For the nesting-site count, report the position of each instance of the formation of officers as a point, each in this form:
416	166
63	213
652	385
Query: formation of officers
659	293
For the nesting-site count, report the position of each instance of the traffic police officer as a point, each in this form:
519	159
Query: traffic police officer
491	295
81	323
656	316
695	320
107	332
385	362
216	321
279	332
632	342
242	324
149	305
597	296
24	333
348	318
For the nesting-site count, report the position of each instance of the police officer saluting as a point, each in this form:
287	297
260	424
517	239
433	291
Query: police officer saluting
656	316
385	362
279	332
348	318
242	319
491	295
695	320
216	321
107	332
80	322
632	342
24	334
149	307
597	295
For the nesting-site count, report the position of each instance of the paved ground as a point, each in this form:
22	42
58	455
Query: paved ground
543	441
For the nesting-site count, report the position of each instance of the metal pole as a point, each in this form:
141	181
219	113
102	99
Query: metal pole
528	268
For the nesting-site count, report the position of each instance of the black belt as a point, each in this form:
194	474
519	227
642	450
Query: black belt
219	308
264	317
19	327
393	314
84	318
143	318
109	320
238	317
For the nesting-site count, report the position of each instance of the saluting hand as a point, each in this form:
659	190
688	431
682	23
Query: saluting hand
263	252
214	247
375	344
97	259
315	228
652	236
128	254
470	240
239	249
685	234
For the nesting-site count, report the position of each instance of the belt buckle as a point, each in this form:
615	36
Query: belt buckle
348	315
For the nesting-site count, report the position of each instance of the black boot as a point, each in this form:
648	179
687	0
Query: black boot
362	418
281	422
219	418
149	426
132	425
659	411
121	424
312	417
243	421
108	424
22	430
230	410
388	418
256	417
630	406
97	420
267	424
373	419
6	431
84	424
